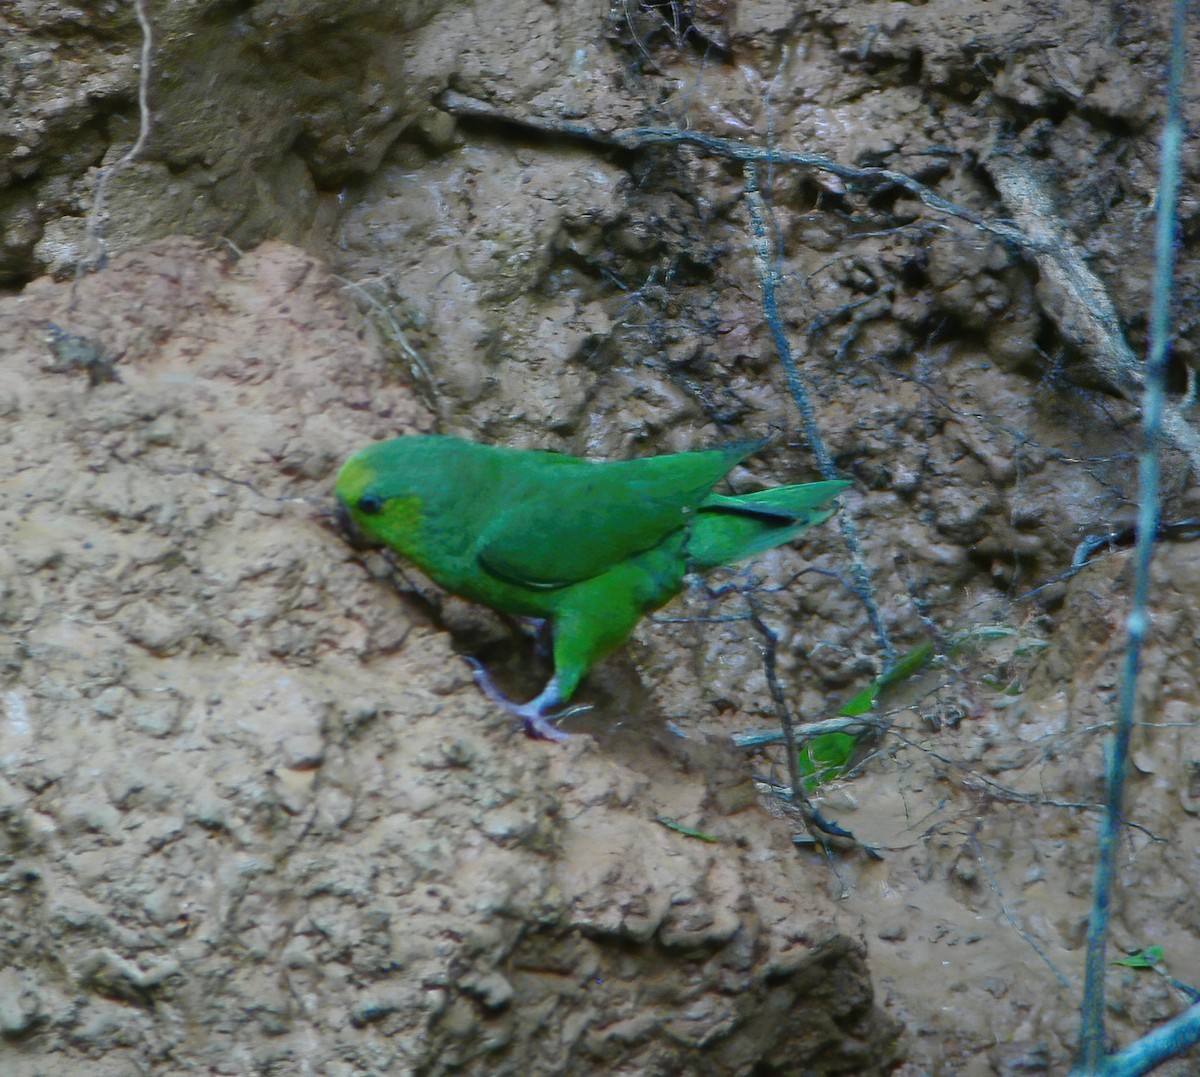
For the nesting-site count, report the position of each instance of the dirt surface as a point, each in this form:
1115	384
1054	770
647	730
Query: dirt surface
257	816
205	687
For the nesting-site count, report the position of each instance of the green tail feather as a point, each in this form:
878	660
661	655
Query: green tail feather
730	529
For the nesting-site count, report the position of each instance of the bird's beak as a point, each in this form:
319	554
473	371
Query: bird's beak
349	529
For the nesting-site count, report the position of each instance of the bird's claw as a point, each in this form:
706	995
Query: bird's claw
538	723
486	685
539	727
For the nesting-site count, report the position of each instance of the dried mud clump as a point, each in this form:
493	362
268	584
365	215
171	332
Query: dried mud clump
256	817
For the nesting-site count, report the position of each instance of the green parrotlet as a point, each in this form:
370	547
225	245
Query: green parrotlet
589	546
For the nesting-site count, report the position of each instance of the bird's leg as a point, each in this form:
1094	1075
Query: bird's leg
543	640
533	714
541	633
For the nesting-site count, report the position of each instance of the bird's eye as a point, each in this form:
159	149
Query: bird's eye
370	504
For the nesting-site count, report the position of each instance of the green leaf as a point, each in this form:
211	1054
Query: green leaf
828	755
911	663
825	757
686	831
1143	959
981	635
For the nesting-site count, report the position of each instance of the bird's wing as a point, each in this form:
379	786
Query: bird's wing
577	523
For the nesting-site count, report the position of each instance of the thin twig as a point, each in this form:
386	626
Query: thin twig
1091	1060
95	223
821	829
421	375
860	723
783	711
640	138
768	276
1012	920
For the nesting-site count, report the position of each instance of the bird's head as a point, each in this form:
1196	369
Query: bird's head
373	506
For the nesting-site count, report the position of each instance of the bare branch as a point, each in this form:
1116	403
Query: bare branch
1077	301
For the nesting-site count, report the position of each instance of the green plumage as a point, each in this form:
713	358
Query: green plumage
591	546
